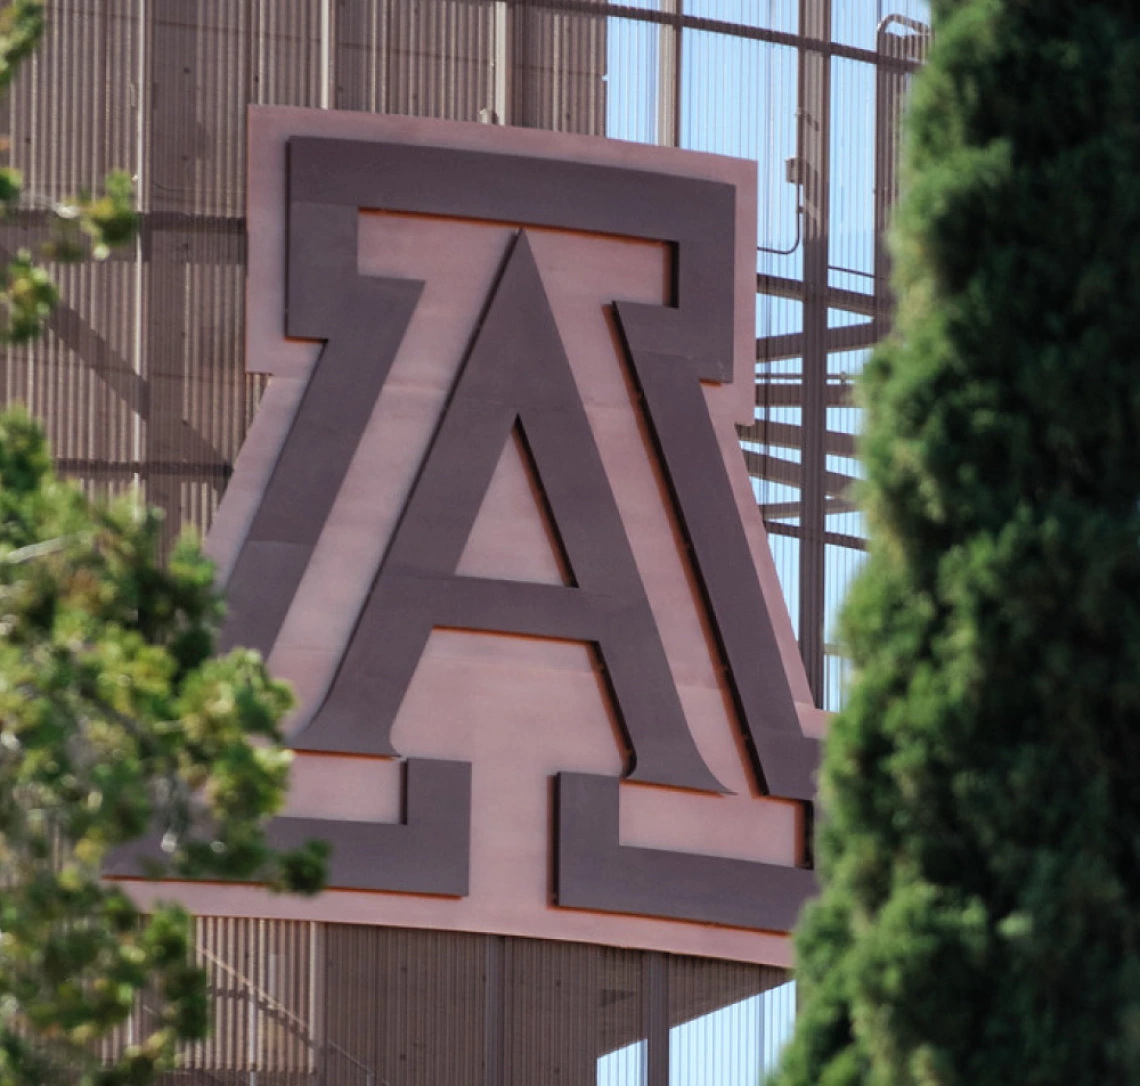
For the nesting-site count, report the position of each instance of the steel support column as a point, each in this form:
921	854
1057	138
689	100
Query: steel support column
815	163
655	1008
669	76
173	53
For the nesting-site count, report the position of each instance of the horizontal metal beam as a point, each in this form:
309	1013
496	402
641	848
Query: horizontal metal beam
762	466
208	239
849	337
785	435
785	510
839	393
679	21
202	471
832	539
856	301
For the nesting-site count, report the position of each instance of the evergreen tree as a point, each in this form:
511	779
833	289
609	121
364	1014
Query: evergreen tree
980	840
116	721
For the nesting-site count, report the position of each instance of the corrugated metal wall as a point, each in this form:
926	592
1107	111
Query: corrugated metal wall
141	379
300	1004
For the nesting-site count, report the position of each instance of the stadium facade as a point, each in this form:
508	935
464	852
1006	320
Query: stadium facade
158	367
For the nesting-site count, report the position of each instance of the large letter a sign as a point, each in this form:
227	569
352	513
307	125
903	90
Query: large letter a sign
493	523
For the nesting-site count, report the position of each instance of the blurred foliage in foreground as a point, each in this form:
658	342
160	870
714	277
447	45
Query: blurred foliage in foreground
980	840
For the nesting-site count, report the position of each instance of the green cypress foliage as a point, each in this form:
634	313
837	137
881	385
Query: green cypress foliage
980	841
